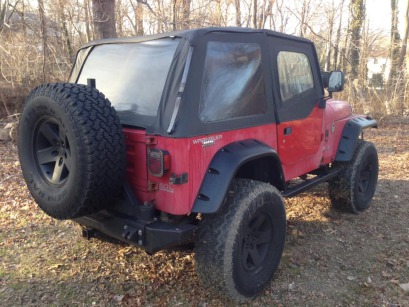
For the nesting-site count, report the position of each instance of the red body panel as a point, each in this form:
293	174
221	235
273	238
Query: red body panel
313	142
300	151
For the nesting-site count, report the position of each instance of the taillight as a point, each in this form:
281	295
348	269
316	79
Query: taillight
158	162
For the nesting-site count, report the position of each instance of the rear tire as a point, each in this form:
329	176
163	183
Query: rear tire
353	190
238	249
71	149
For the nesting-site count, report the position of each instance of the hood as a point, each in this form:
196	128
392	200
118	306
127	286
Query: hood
341	109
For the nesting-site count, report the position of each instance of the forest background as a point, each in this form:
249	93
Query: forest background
367	39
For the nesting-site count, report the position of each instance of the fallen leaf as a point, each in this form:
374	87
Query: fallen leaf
405	287
56	266
351	278
385	274
291	286
118	298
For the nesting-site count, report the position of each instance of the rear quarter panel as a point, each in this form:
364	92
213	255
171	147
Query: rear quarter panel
193	156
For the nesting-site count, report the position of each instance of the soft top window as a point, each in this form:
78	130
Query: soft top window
131	75
233	83
295	74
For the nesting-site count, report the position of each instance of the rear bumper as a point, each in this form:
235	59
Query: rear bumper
152	236
134	223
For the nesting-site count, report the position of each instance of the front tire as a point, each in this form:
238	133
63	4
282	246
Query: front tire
238	250
353	190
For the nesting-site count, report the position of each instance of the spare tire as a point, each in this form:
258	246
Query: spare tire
71	149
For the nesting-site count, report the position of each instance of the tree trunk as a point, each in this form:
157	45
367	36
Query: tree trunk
238	12
402	57
43	27
63	20
331	20
255	14
186	14
394	47
174	8
119	18
4	6
338	38
304	13
358	16
104	18
87	21
139	19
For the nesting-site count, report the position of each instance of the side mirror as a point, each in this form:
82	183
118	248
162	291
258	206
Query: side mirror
325	78
336	81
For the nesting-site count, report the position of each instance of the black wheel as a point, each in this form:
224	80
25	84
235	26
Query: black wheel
354	189
239	249
71	149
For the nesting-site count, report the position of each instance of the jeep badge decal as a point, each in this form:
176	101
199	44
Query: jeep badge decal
209	141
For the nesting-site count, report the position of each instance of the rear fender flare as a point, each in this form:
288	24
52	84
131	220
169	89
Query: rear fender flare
350	135
223	168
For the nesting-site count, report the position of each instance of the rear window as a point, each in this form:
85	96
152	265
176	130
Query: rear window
233	83
132	75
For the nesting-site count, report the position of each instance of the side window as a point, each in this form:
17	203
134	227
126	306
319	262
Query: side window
295	74
233	83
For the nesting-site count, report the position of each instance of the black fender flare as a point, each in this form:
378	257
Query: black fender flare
223	168
350	135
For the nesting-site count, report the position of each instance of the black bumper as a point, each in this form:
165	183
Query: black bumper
134	223
152	236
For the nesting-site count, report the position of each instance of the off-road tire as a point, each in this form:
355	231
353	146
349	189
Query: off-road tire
71	149
226	244
353	189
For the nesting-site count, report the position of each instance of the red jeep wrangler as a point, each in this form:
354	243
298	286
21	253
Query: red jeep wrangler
207	131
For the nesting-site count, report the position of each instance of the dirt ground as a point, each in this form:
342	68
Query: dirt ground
330	258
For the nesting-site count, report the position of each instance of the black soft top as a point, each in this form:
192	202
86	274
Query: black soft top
192	36
180	118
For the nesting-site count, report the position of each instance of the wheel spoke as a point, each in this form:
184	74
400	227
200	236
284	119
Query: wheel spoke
57	173
365	175
254	256
68	161
361	187
61	134
47	155
258	222
49	133
245	254
262	237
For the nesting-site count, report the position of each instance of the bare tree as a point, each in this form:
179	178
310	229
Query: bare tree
305	8
238	12
338	36
41	12
357	9
88	24
104	18
394	45
185	22
330	12
7	9
255	14
3	10
402	56
137	20
63	19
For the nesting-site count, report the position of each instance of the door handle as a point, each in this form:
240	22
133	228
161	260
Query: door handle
288	130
